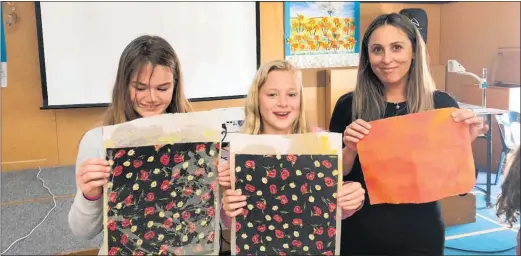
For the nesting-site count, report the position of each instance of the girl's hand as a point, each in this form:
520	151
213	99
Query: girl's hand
476	124
223	175
351	197
233	201
93	174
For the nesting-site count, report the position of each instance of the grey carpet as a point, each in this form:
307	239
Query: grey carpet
53	236
23	185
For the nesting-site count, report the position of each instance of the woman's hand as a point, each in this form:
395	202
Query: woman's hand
93	174
351	197
233	201
476	124
354	133
223	175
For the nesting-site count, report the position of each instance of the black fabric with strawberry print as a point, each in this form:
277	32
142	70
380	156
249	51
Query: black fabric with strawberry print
161	199
291	205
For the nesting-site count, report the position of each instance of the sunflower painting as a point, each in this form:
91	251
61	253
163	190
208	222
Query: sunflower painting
322	34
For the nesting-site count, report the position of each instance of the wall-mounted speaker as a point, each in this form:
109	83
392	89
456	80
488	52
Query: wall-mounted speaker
419	18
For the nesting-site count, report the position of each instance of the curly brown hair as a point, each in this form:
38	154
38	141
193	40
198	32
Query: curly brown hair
508	203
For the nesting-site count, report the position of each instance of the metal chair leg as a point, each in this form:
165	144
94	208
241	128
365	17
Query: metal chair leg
500	166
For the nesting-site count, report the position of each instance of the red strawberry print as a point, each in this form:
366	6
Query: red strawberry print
326	164
137	163
113	251
143	175
200	147
118	170
331	231
273	188
124	239
120	154
150	197
179	158
211	211
329	182
261	205
291	158
250	164
261	228
284	174
112	197
165	185
165	159
250	188
320	245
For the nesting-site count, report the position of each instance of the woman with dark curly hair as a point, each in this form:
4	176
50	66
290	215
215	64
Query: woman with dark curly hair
509	201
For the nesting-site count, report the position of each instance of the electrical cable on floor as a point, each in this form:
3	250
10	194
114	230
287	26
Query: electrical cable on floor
54	200
468	250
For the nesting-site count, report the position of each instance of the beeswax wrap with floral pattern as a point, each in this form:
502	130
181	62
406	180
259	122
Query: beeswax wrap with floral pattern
162	195
291	182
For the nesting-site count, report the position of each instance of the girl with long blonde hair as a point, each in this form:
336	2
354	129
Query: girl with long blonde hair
275	105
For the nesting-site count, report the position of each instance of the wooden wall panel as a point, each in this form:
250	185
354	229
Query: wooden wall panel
29	133
475	44
369	11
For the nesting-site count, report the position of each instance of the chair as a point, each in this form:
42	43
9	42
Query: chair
509	131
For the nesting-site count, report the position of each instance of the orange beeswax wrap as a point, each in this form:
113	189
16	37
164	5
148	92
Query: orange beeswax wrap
417	158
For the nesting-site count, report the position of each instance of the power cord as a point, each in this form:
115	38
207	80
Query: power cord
224	133
222	237
54	200
467	250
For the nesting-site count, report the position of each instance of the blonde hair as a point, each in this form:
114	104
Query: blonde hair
369	100
253	121
143	51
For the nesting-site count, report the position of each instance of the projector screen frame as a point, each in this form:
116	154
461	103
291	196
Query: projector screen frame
43	76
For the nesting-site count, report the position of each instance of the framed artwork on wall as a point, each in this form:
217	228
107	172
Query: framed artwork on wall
322	34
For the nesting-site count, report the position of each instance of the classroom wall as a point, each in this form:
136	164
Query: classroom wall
473	40
47	138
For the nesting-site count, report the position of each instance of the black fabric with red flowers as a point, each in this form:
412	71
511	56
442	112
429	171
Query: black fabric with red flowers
161	199
291	205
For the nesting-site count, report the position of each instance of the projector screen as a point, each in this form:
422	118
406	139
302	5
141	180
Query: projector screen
80	44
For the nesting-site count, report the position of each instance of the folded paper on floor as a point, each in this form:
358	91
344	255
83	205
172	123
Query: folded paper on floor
162	195
291	182
417	158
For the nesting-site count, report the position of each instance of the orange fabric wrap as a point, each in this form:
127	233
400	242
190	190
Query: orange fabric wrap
417	158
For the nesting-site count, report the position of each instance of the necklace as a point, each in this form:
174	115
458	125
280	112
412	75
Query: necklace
397	105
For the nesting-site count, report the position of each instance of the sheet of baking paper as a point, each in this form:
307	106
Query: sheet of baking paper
162	195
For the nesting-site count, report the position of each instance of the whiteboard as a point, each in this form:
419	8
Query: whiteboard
81	43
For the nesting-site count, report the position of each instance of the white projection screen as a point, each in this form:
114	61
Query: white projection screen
80	44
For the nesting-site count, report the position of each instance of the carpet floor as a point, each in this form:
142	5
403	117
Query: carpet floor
25	203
